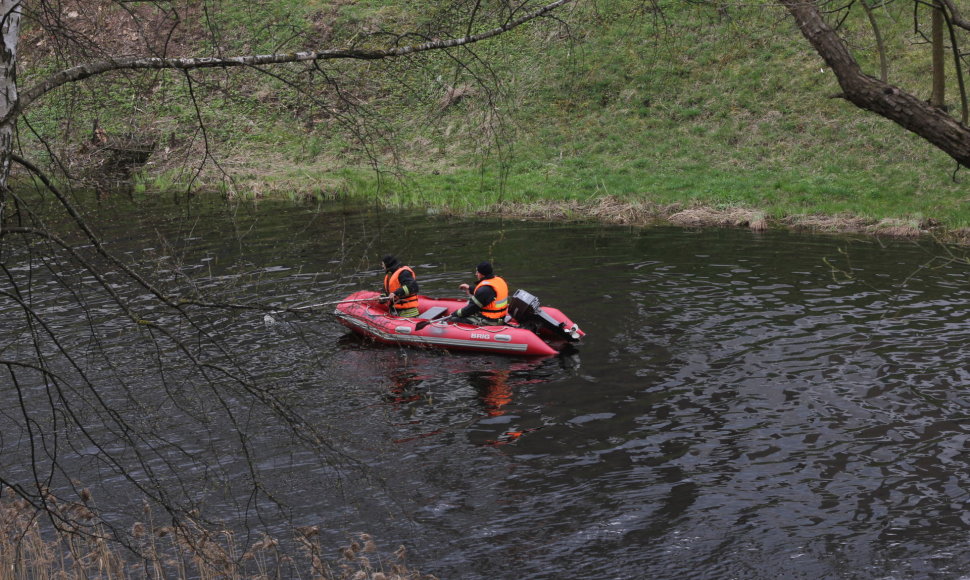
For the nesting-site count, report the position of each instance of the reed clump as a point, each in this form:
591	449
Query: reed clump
51	539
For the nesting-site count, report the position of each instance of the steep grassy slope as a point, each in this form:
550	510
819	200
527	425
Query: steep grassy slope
665	103
716	110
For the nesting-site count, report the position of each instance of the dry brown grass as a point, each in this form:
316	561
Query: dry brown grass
961	236
897	229
79	546
705	217
606	209
827	223
32	547
612	210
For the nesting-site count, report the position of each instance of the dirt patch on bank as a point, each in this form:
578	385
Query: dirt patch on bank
613	210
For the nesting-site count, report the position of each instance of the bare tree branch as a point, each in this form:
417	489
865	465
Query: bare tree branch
91	404
96	68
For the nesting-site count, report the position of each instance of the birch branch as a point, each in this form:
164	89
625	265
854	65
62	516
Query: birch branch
91	69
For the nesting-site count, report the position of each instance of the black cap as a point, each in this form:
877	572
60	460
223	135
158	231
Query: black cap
485	269
389	261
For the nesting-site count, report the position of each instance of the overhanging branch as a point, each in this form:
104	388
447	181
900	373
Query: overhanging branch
84	71
869	93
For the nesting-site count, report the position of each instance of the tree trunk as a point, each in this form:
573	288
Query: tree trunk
869	93
939	69
9	35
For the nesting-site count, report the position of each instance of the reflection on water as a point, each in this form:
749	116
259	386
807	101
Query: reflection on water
747	405
480	390
493	389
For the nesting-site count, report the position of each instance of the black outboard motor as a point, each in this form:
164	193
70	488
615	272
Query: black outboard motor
525	309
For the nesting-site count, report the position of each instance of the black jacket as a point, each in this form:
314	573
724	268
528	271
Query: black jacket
483	296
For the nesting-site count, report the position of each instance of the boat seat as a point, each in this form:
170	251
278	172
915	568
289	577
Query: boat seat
433	312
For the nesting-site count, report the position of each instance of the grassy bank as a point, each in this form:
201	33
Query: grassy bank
665	107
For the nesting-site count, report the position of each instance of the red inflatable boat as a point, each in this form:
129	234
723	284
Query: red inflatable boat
529	330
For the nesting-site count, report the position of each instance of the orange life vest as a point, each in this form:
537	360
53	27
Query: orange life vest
392	283
499	307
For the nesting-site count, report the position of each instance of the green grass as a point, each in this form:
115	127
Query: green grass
690	106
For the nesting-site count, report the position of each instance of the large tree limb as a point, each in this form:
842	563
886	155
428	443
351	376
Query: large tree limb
869	93
955	16
100	67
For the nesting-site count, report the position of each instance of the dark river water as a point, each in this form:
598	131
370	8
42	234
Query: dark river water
744	405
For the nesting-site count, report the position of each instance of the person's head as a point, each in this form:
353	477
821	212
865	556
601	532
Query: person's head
390	263
483	270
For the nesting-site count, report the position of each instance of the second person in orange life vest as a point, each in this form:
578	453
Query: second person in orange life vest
401	286
488	302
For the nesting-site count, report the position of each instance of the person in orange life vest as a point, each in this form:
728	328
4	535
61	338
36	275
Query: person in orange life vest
488	302
401	286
